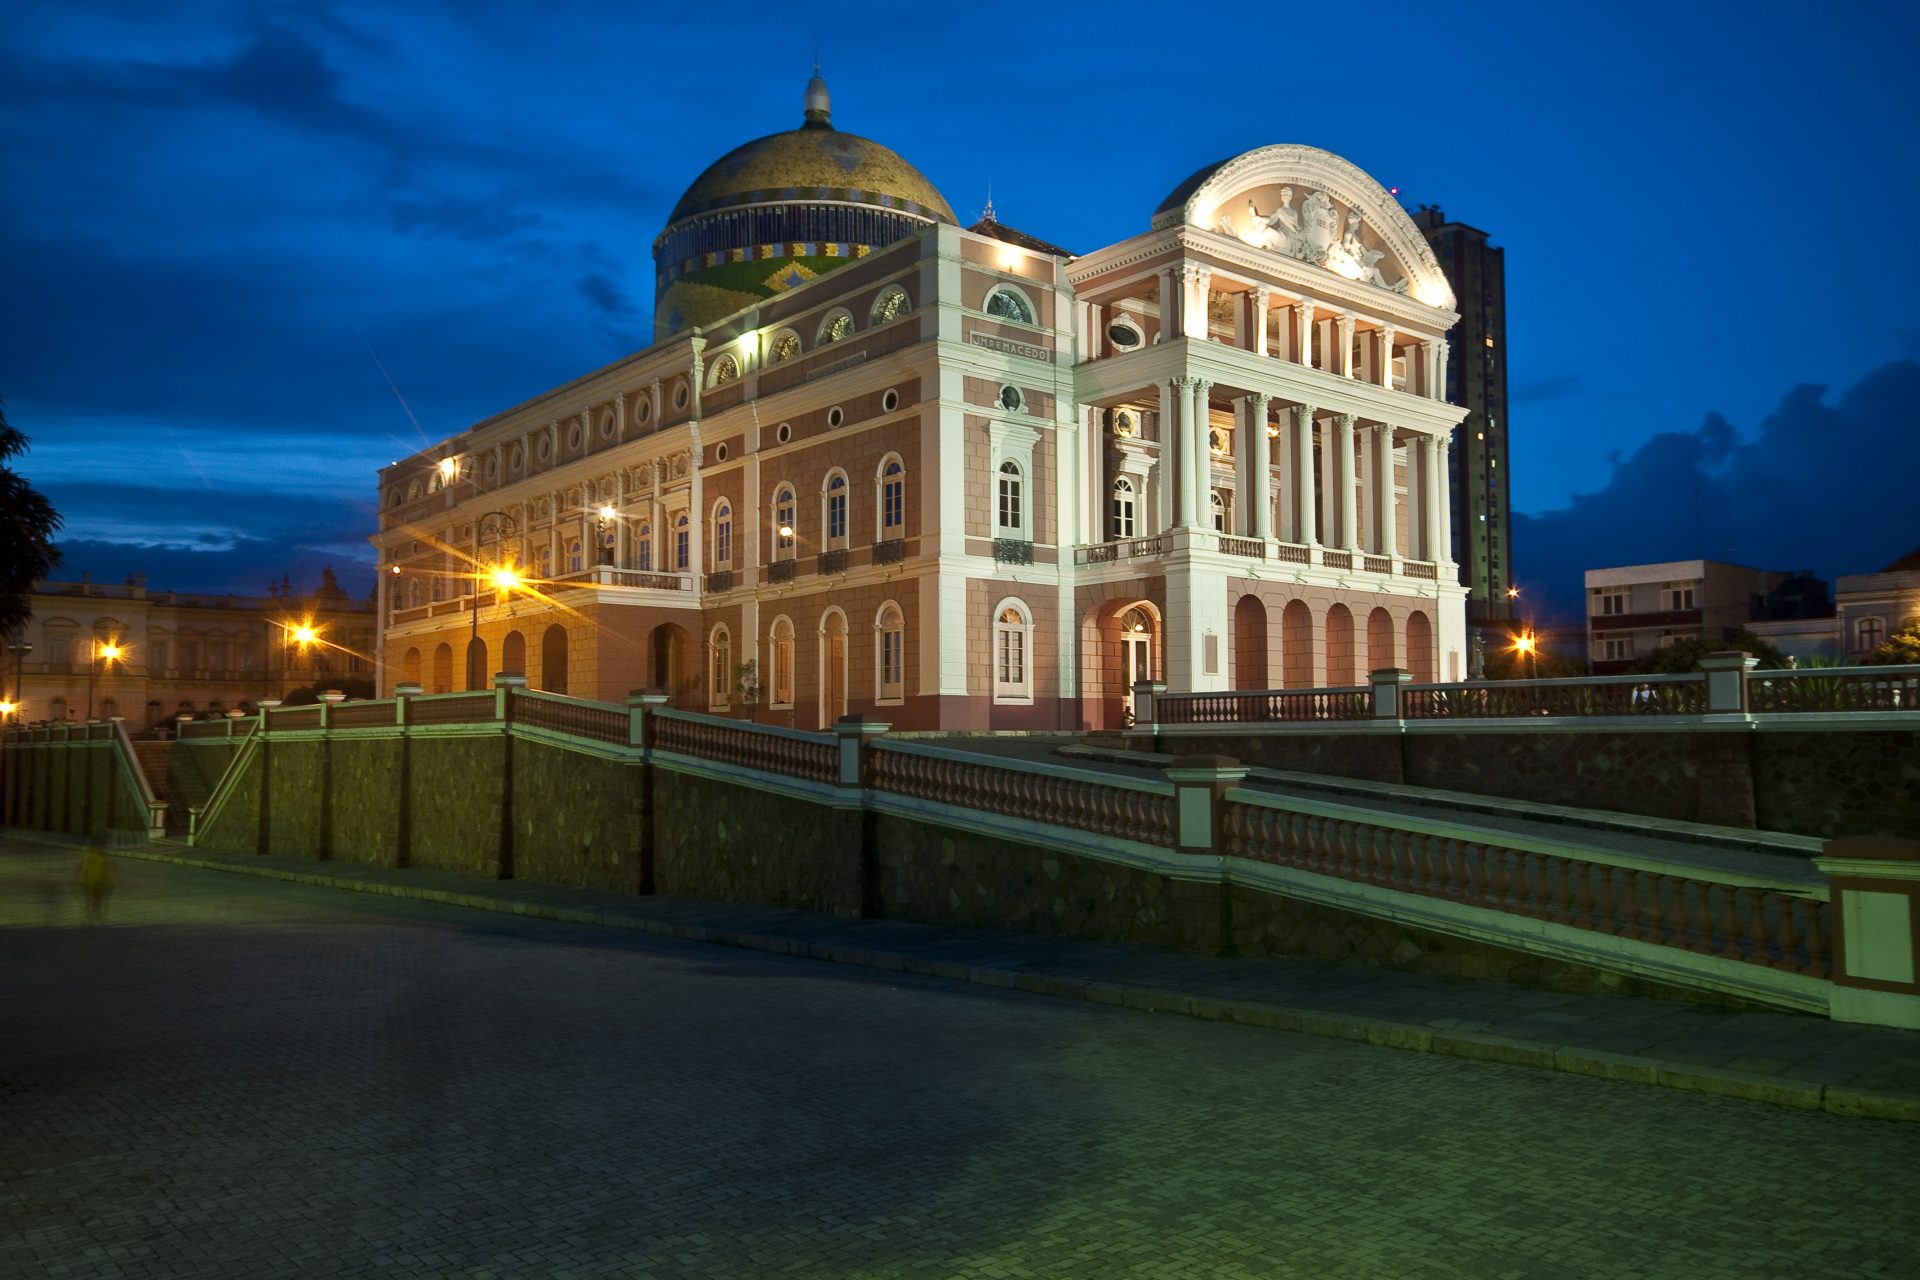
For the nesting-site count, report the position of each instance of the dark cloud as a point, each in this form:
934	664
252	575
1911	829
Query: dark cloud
245	568
606	295
1556	387
1821	486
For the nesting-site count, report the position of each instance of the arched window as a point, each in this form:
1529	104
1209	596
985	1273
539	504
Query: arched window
414	594
1012	650
576	556
890	654
1219	506
1123	507
543	562
1010	509
553	659
723	535
891	305
643	546
786	345
1869	634
833	514
725	369
1006	303
442	669
893	498
682	542
719	667
837	325
780	684
513	654
438	593
783	529
410	667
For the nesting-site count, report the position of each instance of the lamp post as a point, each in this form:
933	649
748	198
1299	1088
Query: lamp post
603	541
101	659
10	705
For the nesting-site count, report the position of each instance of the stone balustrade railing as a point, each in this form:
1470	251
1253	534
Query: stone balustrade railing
1890	688
812	756
1684	694
1016	789
1264	706
575	716
1751	924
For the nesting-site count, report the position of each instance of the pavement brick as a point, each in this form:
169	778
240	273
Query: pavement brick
245	1076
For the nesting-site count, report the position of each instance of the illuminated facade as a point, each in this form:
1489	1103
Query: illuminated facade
148	656
956	477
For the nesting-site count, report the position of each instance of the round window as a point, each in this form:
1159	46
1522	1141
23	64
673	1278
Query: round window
720	453
546	447
835	416
492	467
573	436
783	432
1123	335
519	457
606	426
643	409
680	395
1011	399
1124	423
890	401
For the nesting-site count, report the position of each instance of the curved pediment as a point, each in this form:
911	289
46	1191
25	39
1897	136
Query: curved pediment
1312	206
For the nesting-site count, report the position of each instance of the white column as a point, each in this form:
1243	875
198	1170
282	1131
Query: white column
1174	445
1196	281
1444	486
1202	455
1343	361
1262	299
1430	367
1258	521
1380	489
697	513
1303	530
1169	304
1343	480
1383	353
1434	536
1303	318
1243	458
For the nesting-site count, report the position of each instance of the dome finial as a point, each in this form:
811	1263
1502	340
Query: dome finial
817	105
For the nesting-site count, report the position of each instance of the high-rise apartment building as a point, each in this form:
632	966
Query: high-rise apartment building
1477	379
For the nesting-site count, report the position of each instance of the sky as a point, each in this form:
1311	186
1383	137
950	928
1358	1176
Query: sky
250	252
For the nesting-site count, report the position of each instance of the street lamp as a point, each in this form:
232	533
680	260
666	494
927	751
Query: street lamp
605	543
104	655
19	649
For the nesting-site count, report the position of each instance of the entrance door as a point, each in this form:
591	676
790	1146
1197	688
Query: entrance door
833	680
1136	652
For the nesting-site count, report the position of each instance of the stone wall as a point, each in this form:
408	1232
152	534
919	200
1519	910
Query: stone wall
1813	782
576	818
296	802
78	787
453	803
364	805
726	843
236	827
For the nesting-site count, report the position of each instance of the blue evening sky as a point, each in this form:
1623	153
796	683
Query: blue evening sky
227	225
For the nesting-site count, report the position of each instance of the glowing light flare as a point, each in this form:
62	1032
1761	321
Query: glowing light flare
786	531
396	570
607	513
504	578
1524	644
448	466
8	708
111	652
303	634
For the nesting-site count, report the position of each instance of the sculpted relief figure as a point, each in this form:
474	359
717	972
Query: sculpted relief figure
1313	234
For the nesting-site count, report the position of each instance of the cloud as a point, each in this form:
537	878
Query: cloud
1557	387
603	293
1821	486
244	568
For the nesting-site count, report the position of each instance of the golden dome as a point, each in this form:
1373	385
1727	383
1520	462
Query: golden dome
812	163
779	211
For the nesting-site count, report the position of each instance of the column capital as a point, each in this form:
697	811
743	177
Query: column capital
1263	293
1306	411
1304	306
1346	420
1258	399
1199	383
1383	429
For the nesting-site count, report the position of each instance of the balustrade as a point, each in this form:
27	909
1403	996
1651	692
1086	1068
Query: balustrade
815	757
1264	706
580	719
1731	922
1891	688
1046	798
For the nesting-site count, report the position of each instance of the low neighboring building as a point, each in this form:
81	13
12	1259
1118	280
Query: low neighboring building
102	650
1872	606
1633	610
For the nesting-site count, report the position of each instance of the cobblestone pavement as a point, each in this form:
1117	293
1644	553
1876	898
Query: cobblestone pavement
244	1077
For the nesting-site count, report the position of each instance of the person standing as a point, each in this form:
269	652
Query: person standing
96	877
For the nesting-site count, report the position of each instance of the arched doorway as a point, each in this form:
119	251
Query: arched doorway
1249	643
476	663
553	659
1296	644
833	666
1119	646
513	654
1340	672
669	664
1380	653
1420	655
443	669
410	667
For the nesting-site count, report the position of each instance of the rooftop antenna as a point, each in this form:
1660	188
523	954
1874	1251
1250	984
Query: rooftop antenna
986	214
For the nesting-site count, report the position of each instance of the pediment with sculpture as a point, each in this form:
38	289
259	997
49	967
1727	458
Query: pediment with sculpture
1316	232
1310	205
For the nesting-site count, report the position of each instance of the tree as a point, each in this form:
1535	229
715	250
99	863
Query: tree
1685	655
27	525
1898	649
